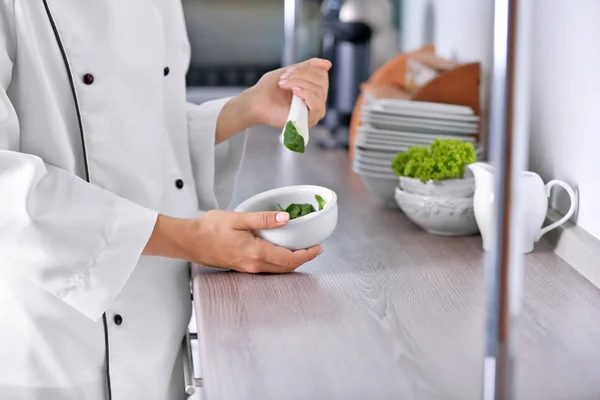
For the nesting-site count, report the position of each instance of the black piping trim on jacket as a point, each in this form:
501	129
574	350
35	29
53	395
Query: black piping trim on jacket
87	170
72	82
107	357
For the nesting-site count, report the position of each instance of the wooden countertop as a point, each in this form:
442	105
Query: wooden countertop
387	312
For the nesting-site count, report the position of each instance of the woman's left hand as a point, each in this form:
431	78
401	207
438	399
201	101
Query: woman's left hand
271	97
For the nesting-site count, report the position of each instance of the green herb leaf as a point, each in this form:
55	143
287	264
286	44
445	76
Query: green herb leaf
292	139
280	208
306	209
294	211
299	210
444	159
320	201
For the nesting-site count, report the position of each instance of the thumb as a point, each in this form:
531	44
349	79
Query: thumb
260	220
319	63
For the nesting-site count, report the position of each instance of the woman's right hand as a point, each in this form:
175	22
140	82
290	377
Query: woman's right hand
224	239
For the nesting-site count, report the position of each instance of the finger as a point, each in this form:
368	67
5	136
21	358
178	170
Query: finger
318	78
287	258
315	72
312	95
259	220
312	74
315	104
313	100
304	256
317	62
258	267
302	84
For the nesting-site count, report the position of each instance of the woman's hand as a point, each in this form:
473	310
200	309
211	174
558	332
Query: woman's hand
271	97
224	239
268	102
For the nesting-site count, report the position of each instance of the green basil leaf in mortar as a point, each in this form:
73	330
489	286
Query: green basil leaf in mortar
292	139
294	210
321	201
306	209
298	210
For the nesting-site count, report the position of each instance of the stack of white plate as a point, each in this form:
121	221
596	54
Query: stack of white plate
390	125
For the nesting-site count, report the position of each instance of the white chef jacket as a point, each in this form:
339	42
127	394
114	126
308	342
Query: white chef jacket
95	91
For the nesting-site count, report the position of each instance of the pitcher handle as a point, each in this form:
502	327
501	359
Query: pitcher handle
568	215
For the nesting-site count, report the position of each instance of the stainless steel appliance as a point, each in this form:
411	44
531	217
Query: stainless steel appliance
234	42
347	45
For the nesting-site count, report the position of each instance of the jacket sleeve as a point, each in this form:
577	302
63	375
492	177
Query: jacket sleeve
215	166
70	238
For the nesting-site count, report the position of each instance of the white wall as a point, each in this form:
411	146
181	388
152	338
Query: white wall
417	23
565	102
461	30
565	83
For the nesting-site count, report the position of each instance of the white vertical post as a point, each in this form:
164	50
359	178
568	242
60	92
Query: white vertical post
292	12
508	149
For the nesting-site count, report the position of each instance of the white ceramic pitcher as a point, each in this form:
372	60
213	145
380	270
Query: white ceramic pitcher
533	205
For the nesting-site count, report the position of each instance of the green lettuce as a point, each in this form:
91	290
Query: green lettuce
444	159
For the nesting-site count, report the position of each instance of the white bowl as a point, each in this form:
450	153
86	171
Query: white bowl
381	185
440	215
303	232
450	187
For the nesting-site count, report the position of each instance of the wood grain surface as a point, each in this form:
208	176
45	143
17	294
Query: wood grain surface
387	312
